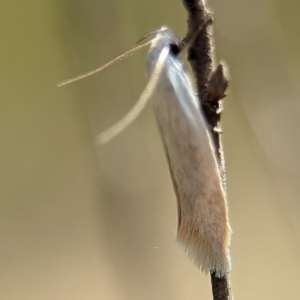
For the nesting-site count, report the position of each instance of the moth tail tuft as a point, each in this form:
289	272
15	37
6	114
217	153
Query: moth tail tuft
208	254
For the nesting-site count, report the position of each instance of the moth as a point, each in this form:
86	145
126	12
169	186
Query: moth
203	229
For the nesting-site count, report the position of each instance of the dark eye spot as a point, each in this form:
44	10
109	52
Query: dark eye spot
174	49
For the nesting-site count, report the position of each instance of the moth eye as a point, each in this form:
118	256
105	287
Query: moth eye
174	49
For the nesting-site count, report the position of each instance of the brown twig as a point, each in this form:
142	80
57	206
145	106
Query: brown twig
211	86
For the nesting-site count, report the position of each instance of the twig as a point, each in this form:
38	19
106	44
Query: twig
211	86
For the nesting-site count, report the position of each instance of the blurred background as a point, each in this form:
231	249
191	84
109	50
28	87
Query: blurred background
79	221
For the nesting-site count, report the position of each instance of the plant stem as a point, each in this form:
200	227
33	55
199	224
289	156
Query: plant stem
211	85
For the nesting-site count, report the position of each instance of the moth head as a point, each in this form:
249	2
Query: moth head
166	37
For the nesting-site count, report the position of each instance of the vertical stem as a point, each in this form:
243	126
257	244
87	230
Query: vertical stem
211	86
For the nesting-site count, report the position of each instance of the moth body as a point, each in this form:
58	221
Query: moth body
203	229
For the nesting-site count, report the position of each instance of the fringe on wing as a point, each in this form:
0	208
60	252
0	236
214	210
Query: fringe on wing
209	256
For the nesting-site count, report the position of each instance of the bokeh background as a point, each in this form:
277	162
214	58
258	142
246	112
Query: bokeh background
79	221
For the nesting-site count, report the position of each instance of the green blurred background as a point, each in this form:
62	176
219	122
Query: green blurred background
80	221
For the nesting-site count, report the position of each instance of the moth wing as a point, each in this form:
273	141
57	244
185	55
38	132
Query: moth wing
203	229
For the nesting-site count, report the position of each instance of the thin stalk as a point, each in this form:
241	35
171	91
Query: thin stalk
211	85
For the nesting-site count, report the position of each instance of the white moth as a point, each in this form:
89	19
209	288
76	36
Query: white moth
203	229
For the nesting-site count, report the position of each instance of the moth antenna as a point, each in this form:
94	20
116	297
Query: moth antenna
152	35
90	73
140	104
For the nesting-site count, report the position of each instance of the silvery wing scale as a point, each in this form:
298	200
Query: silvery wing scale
203	228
